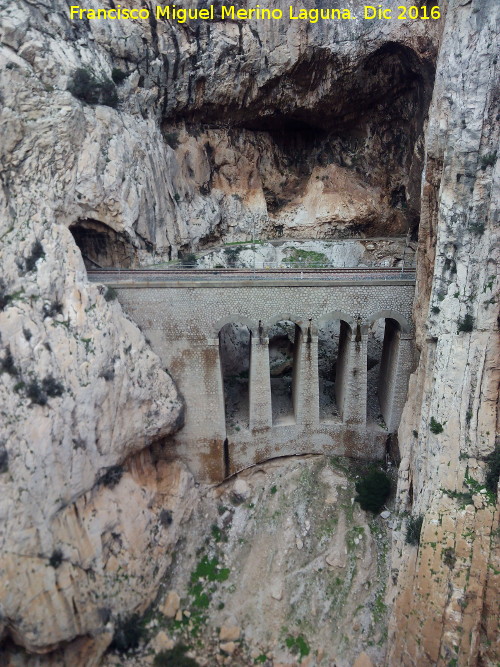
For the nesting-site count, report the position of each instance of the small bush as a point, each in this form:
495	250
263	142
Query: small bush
87	88
4	460
52	309
4	297
112	476
493	470
488	160
188	259
110	294
37	252
56	558
435	426
35	393
477	227
435	310
175	657
7	364
449	557
465	324
128	634
52	387
118	75
413	529
373	490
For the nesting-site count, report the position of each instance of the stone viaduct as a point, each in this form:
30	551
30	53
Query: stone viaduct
183	317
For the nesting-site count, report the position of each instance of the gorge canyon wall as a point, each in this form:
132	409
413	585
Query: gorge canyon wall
219	131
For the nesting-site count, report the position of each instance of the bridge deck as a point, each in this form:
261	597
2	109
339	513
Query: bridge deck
246	277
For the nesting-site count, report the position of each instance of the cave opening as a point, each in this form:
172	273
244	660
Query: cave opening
101	246
235	342
285	339
382	360
333	358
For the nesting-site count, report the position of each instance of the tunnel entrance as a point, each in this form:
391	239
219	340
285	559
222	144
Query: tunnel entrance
284	344
101	246
234	349
333	358
382	359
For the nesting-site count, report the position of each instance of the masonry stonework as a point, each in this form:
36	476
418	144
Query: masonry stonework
182	321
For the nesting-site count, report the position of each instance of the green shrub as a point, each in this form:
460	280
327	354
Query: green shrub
7	364
488	160
110	294
465	324
35	393
4	460
52	387
188	259
37	252
111	477
118	75
413	529
175	657
435	426
56	558
373	490
87	88
435	310
298	645
493	470
128	634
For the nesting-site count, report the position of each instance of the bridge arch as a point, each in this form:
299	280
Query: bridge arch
234	319
286	317
334	330
391	315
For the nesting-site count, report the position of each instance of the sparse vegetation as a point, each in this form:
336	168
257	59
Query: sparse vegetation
298	645
119	75
188	259
110	294
373	490
307	258
37	252
128	634
52	309
52	387
56	558
488	160
7	364
449	557
435	310
111	477
35	393
175	657
414	529
493	470
435	427
4	460
87	88
465	324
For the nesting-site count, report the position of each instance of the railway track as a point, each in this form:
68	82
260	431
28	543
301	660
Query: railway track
190	274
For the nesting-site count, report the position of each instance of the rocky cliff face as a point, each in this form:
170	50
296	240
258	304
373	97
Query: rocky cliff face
447	592
217	131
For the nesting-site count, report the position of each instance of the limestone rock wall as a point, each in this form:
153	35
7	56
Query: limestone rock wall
445	592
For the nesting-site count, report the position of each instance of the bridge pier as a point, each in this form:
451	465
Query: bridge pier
306	382
354	376
399	367
260	384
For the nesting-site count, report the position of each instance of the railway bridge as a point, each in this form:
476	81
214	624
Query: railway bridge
277	363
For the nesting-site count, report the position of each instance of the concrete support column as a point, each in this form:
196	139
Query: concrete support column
354	408
260	384
306	392
401	368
